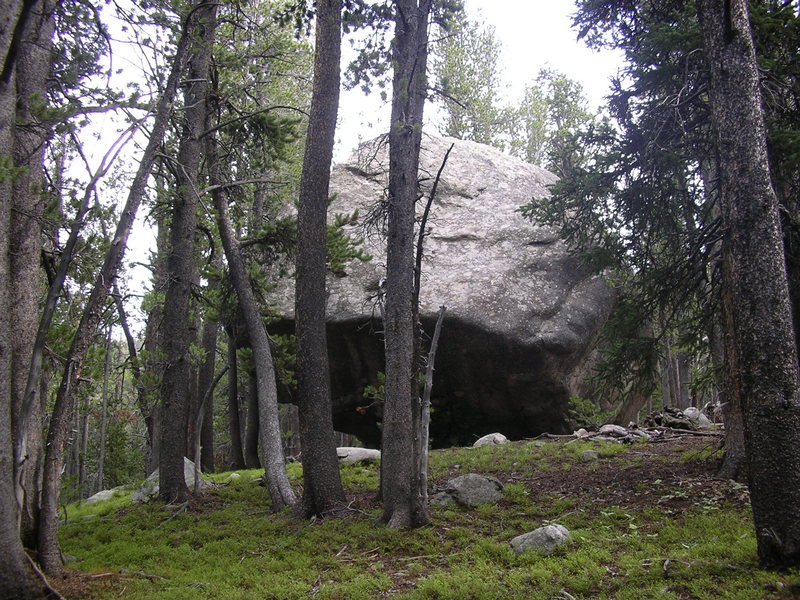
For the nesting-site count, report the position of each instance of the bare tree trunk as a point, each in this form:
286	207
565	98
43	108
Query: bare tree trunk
403	506
178	327
198	417
17	580
101	459
424	438
322	485
30	136
277	482
49	552
234	422
758	317
251	459
82	445
209	341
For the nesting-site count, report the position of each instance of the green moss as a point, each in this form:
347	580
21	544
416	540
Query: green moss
231	546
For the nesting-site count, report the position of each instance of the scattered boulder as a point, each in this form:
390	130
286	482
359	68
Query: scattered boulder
590	455
150	487
473	489
698	419
101	496
544	540
523	314
491	439
348	455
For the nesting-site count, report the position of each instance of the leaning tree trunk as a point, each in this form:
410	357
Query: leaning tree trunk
403	505
277	481
49	552
758	317
178	327
322	485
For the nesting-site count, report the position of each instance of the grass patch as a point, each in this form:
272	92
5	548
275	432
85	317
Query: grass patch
645	521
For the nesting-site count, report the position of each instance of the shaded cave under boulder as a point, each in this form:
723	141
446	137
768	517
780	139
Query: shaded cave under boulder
522	318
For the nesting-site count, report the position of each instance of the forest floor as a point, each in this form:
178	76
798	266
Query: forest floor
648	520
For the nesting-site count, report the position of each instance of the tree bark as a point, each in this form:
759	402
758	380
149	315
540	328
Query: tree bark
30	136
763	359
277	481
403	506
49	552
178	327
322	485
234	422
101	458
205	380
17	581
251	460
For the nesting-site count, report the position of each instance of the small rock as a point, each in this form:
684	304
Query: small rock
613	430
590	455
473	489
349	455
545	539
441	498
492	439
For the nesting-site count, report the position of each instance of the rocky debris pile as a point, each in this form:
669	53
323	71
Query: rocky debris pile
470	490
689	418
658	425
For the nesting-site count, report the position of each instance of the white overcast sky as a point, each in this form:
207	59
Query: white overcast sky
533	34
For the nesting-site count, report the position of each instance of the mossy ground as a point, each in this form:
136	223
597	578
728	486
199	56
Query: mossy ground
648	521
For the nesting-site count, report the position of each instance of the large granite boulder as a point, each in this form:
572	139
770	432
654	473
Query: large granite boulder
522	314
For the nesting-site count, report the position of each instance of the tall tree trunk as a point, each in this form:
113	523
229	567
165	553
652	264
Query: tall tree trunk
49	552
152	367
277	482
403	505
734	460
234	422
251	460
17	581
178	328
101	458
30	136
210	332
763	360
206	378
322	485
